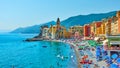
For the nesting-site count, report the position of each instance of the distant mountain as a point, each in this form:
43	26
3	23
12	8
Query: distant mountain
71	21
85	19
31	29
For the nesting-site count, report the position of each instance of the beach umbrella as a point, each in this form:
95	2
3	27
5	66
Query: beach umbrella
109	60
118	60
102	50
98	47
114	56
82	61
113	66
98	52
106	57
97	56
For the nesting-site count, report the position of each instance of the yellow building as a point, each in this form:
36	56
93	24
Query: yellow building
108	27
57	31
92	28
99	31
67	34
103	27
114	26
97	25
99	28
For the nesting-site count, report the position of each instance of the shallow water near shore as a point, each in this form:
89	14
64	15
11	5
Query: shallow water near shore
14	52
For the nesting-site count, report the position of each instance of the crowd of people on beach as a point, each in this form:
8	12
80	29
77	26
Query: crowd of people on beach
86	60
101	54
112	61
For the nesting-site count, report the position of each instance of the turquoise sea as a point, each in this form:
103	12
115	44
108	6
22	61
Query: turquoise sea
16	53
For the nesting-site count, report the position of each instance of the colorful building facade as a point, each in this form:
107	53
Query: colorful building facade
92	27
114	26
97	28
110	26
87	30
118	16
103	26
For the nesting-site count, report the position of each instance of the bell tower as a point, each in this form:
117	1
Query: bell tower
58	22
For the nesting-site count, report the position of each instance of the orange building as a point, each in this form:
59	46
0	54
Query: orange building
99	31
103	26
87	31
97	25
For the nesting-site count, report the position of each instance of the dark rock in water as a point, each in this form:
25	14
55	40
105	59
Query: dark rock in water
30	63
66	57
44	46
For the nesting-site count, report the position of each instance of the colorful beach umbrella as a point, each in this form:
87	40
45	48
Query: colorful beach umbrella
118	60
114	56
106	57
97	53
113	66
109	60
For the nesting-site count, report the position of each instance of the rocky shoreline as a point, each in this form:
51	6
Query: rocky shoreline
34	39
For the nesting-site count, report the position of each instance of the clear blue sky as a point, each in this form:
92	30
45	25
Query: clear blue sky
21	13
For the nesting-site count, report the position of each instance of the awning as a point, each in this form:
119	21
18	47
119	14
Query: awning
96	38
114	42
